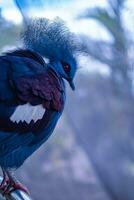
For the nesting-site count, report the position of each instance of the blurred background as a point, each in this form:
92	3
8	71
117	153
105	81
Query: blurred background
90	156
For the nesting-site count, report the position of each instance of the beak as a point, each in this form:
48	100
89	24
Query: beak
72	84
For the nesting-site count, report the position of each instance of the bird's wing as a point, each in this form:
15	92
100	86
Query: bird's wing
29	93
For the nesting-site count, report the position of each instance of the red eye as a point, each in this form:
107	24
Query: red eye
66	68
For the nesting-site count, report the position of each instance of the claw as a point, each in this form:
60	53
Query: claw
18	186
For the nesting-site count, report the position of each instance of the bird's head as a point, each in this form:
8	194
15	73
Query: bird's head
66	69
53	40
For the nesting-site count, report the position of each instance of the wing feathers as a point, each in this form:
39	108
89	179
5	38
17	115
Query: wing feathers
27	113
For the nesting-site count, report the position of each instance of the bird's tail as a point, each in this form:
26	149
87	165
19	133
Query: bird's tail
51	38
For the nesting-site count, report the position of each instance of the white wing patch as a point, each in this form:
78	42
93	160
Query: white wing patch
27	113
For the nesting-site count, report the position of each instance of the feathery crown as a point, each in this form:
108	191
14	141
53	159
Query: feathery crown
51	38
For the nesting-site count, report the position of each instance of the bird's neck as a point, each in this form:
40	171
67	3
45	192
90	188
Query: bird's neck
53	69
54	72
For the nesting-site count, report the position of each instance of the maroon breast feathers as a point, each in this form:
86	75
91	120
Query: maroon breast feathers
45	88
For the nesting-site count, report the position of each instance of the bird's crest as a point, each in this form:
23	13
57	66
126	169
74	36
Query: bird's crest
51	38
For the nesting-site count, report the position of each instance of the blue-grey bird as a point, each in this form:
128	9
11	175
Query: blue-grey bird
32	92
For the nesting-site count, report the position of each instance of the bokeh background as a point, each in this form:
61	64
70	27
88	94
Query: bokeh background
90	156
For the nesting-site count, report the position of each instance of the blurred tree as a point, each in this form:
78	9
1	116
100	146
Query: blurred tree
103	122
103	126
114	53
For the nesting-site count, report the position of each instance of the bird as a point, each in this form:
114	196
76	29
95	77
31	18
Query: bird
33	92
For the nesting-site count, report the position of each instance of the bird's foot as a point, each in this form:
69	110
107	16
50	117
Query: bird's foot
12	186
4	183
17	186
